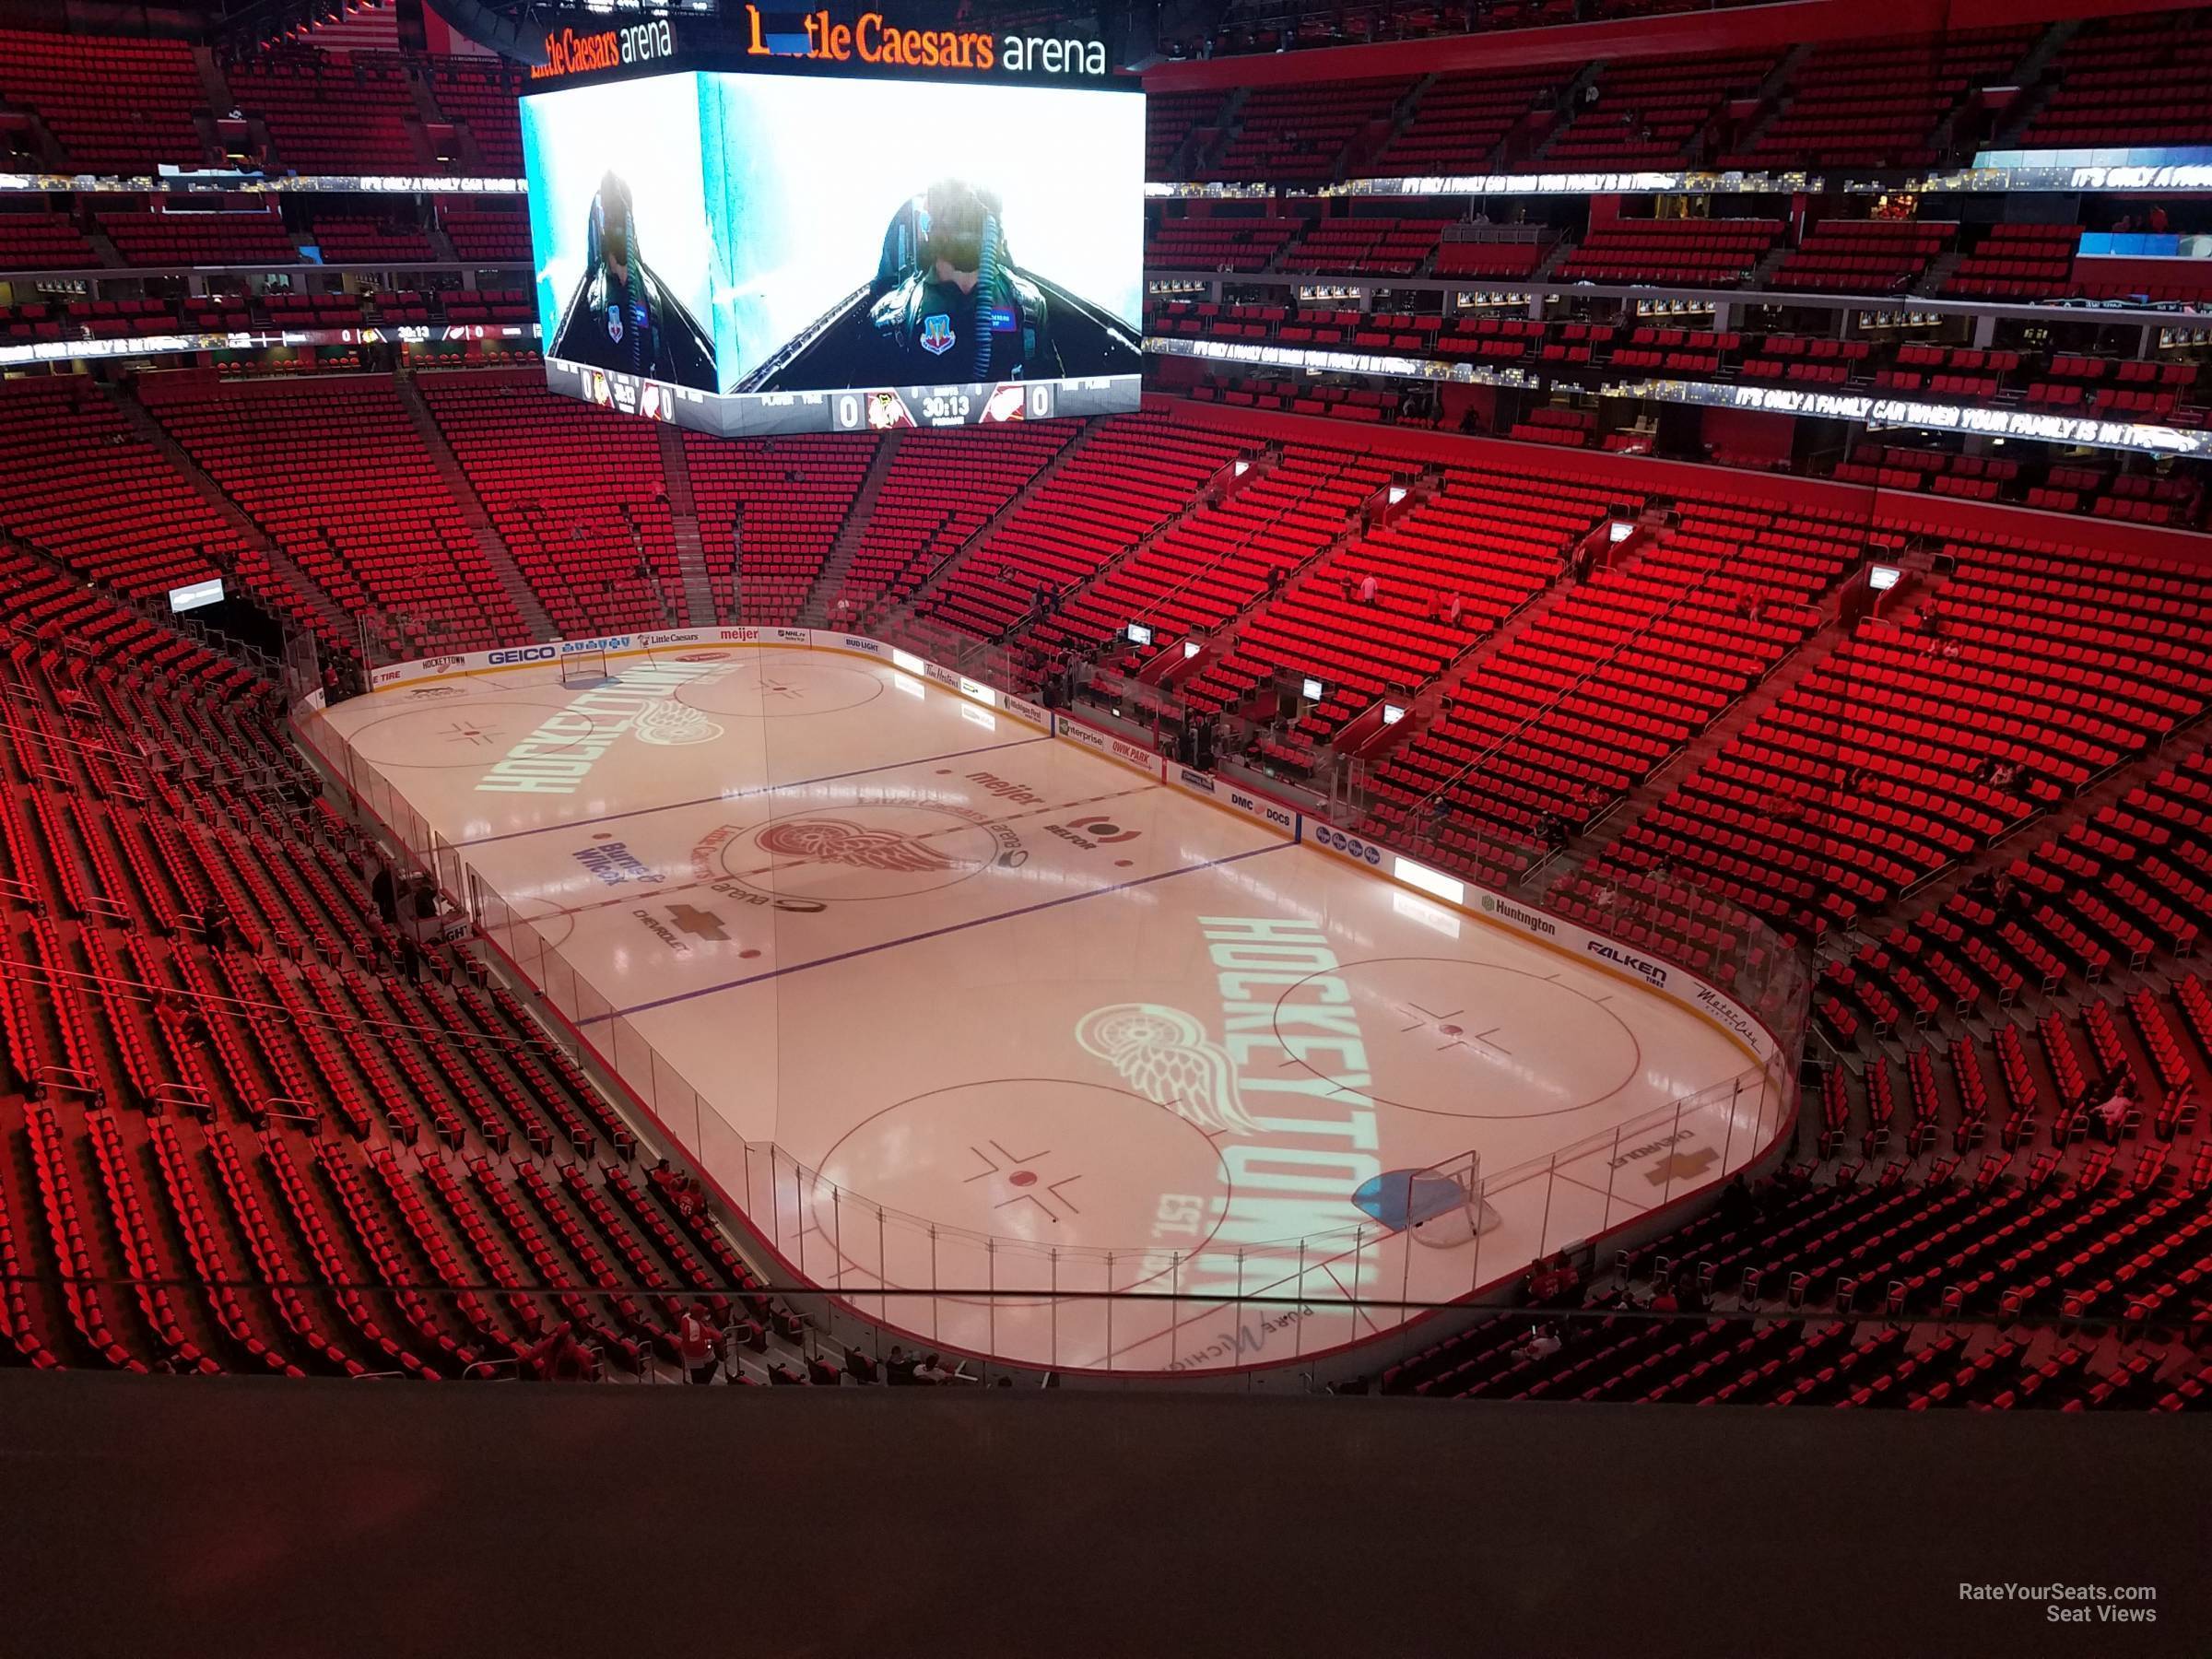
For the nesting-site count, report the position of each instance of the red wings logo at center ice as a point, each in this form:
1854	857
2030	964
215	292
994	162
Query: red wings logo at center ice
835	840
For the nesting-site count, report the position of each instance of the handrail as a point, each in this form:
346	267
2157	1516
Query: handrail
306	1115
320	1019
1945	1313
1223	556
66	1077
192	1095
1682	597
77	744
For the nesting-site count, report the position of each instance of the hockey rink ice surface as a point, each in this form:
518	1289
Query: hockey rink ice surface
971	1010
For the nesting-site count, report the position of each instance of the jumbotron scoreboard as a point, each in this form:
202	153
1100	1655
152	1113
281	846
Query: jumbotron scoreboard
843	227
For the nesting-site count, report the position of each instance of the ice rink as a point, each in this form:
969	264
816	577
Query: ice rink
950	1006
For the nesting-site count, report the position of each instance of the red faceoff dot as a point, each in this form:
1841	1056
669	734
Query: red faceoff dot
1122	864
1023	1178
748	955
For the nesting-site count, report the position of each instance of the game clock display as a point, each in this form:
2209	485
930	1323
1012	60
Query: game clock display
756	253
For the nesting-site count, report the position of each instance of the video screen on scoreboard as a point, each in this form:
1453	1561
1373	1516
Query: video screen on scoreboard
759	253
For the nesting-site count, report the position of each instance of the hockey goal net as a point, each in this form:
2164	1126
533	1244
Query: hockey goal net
1443	1203
584	668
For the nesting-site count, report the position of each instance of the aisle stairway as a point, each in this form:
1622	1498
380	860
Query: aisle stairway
487	540
814	611
338	625
683	516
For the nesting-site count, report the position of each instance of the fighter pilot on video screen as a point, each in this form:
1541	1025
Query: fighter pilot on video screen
947	303
948	306
621	315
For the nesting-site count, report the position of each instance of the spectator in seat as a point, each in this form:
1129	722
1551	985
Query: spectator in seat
897	1368
1736	1204
1368	588
691	1197
930	1374
1690	1295
215	925
1555	1281
384	893
1451	611
1541	1344
561	1357
695	1345
2112	1116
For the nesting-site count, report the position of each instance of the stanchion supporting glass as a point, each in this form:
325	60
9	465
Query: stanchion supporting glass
1735	1095
1358	1266
1174	1302
1475	1266
1674	1167
1405	1248
1612	1174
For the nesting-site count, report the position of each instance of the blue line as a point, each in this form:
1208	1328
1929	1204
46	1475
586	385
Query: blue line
934	933
608	817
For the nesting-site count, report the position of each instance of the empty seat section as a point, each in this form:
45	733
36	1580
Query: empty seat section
1697	253
769	510
334	471
575	491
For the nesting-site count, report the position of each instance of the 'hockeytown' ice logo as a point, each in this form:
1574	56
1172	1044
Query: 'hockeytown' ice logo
560	753
671	724
1166	1056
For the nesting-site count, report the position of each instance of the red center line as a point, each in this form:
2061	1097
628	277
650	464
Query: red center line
773	865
